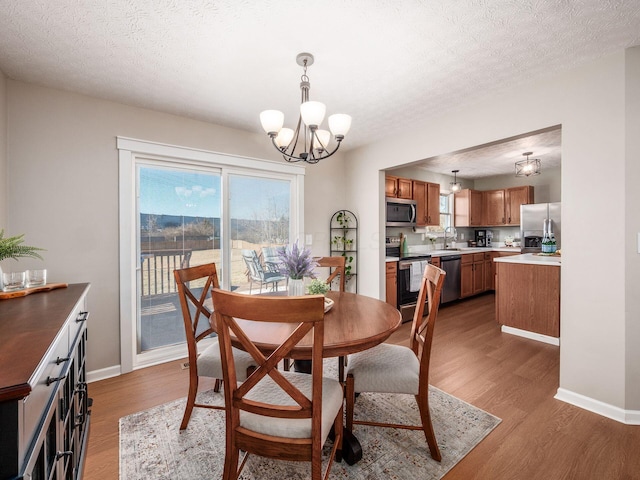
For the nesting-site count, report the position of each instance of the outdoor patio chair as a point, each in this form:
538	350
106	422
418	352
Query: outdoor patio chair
258	274
194	301
390	368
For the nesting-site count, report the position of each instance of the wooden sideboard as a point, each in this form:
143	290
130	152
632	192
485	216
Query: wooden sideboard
44	403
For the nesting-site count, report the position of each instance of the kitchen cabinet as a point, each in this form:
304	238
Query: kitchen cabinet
427	197
398	187
492	284
514	198
488	271
472	274
468	208
494	207
528	297
392	283
502	207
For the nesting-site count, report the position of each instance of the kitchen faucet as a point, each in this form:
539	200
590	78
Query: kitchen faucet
453	232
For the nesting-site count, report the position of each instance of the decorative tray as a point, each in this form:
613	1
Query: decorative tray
328	303
29	290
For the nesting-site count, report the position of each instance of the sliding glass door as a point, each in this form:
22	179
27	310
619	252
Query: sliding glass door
181	207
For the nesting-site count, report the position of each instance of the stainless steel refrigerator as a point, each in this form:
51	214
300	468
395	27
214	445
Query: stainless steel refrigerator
532	221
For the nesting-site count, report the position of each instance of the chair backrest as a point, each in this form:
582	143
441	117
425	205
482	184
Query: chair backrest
192	301
422	326
306	316
338	266
252	261
271	259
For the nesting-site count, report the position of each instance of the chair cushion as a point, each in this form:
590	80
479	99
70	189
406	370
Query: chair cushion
210	363
268	391
385	369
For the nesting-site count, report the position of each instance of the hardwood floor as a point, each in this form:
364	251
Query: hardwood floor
511	377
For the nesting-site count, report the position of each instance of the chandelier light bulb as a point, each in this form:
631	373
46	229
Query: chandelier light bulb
272	121
312	113
339	124
323	137
284	137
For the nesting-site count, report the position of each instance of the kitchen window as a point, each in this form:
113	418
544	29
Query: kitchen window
446	213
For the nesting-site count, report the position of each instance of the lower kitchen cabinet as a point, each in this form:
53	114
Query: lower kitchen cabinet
472	274
392	283
44	403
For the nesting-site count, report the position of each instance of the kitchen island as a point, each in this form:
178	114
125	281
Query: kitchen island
528	296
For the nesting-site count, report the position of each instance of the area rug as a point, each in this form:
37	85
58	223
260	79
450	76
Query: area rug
153	447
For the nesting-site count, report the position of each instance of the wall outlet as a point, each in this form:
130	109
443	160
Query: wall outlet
308	239
461	236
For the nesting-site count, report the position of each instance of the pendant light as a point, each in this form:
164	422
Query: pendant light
455	185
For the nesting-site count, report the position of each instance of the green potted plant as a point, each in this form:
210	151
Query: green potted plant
343	219
12	247
337	242
318	287
348	243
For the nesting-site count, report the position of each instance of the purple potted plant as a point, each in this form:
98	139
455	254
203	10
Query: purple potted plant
296	263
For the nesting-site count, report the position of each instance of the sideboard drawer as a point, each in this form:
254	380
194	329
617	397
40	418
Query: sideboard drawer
44	386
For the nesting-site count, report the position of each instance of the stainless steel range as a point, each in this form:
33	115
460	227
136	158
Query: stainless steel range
408	266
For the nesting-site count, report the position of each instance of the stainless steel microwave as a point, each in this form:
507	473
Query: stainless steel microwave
401	212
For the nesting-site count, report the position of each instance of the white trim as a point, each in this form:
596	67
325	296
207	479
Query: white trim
104	373
131	151
628	417
531	335
207	156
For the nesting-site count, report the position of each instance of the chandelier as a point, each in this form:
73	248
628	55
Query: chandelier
455	185
313	146
526	168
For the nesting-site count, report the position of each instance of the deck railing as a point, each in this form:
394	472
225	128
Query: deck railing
157	268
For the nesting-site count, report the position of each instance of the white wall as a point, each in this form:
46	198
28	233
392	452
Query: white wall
3	151
589	103
632	223
63	191
546	186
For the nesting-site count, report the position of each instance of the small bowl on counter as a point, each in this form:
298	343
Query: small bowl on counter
471	243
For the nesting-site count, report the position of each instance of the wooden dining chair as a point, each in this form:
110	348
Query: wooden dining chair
277	414
194	290
336	267
397	369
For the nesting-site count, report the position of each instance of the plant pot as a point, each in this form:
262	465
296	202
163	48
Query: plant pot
296	287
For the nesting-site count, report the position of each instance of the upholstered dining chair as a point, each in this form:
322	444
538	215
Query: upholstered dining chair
273	413
397	369
194	290
336	266
258	274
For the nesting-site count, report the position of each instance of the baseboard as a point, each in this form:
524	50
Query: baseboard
103	373
628	417
531	335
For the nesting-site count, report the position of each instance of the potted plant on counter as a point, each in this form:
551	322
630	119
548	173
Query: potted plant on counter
12	247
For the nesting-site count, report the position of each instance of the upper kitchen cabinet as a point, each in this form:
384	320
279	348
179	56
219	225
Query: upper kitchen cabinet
468	208
494	207
515	197
502	207
398	187
427	197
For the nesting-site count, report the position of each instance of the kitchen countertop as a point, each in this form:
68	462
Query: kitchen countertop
532	259
459	251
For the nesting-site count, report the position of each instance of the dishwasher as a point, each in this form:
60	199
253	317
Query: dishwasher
451	288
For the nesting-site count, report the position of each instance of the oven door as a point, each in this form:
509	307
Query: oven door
406	298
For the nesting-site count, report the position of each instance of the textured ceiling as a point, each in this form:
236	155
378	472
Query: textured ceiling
388	63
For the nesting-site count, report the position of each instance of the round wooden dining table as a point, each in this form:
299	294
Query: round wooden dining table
353	324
